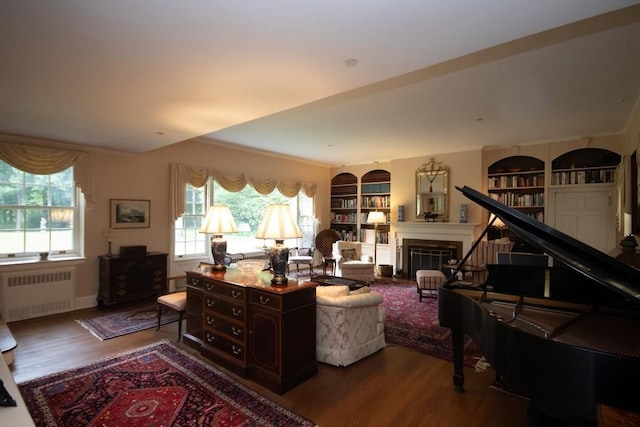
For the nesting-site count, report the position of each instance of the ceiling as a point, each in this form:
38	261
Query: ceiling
431	76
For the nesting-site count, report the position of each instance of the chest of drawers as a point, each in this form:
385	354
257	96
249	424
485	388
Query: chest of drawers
132	277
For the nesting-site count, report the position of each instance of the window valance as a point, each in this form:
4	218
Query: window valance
46	161
231	181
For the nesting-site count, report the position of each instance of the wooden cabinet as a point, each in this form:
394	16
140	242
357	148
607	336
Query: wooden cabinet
283	349
518	182
257	331
132	277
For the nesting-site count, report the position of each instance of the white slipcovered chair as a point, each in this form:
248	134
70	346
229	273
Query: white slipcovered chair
349	325
350	263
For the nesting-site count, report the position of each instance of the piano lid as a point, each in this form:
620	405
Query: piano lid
584	259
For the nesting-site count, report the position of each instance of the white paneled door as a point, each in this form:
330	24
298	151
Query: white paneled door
586	214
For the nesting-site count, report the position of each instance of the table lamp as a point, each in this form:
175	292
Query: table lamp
278	224
375	218
218	220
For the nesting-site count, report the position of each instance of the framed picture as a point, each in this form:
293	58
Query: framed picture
130	213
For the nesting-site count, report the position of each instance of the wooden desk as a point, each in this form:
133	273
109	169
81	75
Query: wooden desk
264	333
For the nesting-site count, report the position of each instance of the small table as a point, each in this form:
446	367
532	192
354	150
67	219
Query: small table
328	261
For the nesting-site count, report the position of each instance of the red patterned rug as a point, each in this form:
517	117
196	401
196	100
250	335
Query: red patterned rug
414	324
127	320
156	385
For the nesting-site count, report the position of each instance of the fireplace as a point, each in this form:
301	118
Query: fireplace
420	254
427	245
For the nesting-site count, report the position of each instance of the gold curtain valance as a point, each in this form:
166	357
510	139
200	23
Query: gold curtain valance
231	181
46	161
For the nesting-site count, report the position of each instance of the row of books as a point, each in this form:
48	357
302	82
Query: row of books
515	181
344	203
376	201
583	177
518	199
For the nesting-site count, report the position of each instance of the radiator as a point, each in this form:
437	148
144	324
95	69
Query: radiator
39	293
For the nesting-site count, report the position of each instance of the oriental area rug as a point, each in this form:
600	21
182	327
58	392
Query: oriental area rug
155	385
414	324
127	320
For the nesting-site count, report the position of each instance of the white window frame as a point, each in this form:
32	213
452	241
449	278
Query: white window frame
77	225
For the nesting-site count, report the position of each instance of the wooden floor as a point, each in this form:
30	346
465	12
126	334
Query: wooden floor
394	387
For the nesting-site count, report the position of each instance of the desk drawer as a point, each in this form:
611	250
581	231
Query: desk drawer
220	325
225	308
233	349
222	289
266	299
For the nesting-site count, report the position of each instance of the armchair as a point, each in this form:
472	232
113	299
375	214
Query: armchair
350	263
349	324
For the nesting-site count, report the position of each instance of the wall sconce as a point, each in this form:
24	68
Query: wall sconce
376	218
278	224
218	220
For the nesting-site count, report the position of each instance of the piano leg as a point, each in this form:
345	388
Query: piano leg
457	338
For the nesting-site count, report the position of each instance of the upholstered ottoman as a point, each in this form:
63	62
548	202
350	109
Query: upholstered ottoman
428	282
358	270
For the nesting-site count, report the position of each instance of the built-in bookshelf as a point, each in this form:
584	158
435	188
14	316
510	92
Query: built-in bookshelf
585	166
519	182
344	205
375	195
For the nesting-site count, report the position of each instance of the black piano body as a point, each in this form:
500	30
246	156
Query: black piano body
565	336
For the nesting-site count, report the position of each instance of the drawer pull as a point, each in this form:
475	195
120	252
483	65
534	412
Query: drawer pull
236	331
210	286
264	300
210	338
210	320
236	311
236	294
236	350
210	303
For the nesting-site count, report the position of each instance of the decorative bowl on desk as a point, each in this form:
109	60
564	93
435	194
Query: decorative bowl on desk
250	267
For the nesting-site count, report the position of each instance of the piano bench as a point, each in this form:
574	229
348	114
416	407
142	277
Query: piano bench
428	282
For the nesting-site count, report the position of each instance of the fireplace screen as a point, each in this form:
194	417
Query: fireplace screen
428	255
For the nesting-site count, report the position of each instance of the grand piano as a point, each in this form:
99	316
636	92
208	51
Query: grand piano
568	341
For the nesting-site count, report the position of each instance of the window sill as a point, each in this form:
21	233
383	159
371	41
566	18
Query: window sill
31	263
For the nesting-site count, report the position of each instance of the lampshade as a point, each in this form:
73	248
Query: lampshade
376	217
278	224
218	220
497	222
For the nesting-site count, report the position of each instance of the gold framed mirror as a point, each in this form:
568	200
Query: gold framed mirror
432	191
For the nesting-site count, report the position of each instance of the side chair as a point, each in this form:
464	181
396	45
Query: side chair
301	256
174	299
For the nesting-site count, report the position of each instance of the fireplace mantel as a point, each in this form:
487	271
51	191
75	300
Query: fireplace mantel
443	231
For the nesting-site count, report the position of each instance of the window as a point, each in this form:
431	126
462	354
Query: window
38	213
247	207
187	240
